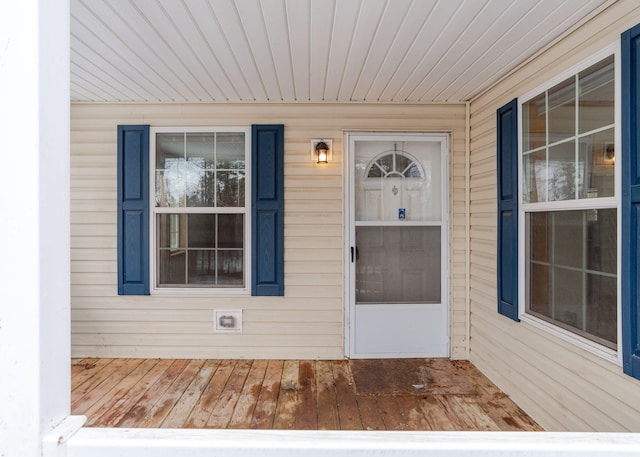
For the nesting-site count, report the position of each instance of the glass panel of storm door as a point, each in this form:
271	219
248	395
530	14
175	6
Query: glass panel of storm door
395	175
398	265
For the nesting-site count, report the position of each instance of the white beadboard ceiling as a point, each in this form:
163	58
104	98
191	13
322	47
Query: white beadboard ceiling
414	51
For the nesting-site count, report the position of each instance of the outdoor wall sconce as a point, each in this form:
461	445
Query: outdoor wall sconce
609	154
321	151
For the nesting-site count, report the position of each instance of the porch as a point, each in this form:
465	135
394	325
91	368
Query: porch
398	394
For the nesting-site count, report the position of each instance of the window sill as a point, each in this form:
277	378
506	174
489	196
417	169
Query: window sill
583	343
199	291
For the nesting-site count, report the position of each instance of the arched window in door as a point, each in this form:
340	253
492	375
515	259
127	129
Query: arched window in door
394	163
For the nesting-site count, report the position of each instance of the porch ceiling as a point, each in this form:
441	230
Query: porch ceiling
415	51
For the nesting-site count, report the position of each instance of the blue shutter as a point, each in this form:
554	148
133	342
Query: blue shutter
630	281
507	153
267	210
133	209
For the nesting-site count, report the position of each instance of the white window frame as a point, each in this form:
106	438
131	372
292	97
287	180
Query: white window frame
154	211
613	355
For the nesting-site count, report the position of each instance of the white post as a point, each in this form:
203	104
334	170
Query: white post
34	224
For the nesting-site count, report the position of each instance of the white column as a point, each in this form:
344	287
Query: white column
34	222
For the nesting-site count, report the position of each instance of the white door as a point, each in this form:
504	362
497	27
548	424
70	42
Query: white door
398	245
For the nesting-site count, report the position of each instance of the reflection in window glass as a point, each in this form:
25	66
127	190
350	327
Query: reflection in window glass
535	118
562	169
200	169
572	271
561	109
210	250
200	148
230	151
597	95
597	158
200	175
568	147
568	140
535	181
396	163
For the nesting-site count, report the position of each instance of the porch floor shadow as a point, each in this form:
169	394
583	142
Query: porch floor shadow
390	394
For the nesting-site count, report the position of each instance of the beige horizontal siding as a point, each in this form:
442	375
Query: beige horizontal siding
560	385
309	321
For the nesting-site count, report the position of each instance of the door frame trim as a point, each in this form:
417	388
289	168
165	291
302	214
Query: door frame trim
349	231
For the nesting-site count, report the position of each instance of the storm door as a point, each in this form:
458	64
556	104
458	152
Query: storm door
397	252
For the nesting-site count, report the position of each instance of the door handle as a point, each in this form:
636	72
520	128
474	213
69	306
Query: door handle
355	253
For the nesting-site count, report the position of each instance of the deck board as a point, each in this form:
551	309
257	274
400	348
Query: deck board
265	409
86	398
291	394
143	411
114	415
326	397
346	402
285	418
210	395
187	401
307	406
223	411
248	399
169	399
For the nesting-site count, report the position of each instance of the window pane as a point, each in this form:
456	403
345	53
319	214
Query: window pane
568	240
386	163
170	163
601	291
231	231
214	253
580	239
169	147
535	177
186	167
540	235
230	188
230	149
566	305
230	268
178	181
200	149
562	111
562	172
571	276
172	230
602	239
534	114
171	267
203	194
540	289
597	95
375	171
597	157
202	264
413	172
202	230
402	163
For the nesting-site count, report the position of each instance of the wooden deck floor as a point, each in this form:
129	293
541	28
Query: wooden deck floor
416	394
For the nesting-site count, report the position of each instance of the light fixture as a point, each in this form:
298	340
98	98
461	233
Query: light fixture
609	154
321	150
